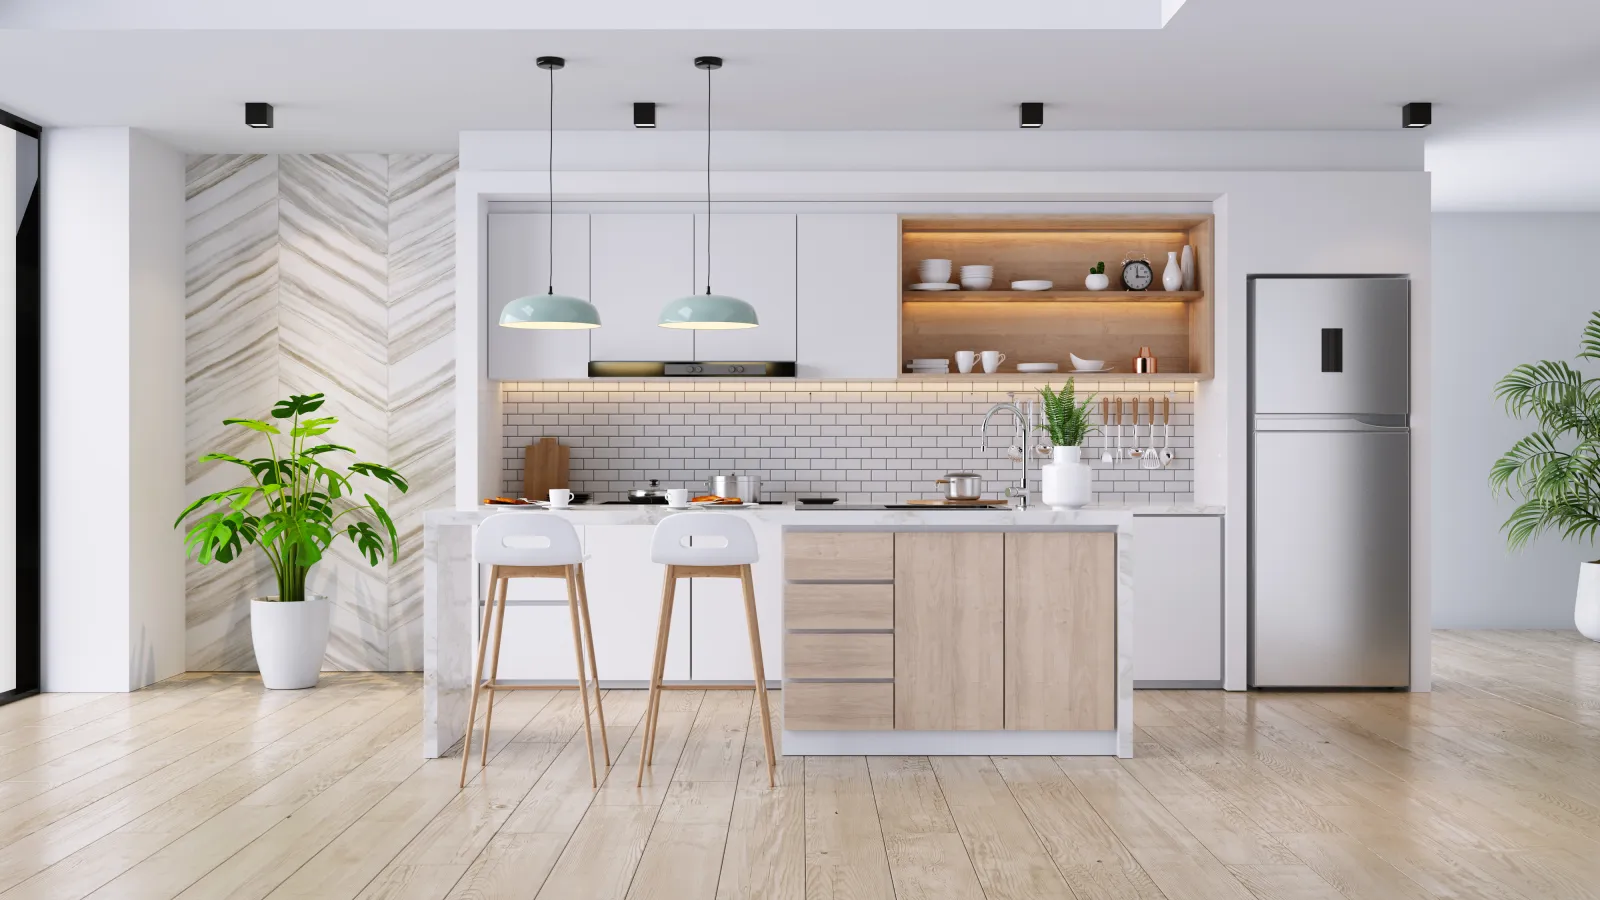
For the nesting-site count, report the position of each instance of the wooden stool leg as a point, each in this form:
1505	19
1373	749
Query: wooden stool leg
477	678
594	668
583	690
658	666
494	665
760	669
661	665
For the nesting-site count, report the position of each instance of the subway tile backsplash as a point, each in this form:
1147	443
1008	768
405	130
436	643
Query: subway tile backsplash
863	442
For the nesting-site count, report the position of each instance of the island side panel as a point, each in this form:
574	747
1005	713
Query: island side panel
448	589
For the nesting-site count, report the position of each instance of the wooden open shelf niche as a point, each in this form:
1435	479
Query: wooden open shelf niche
1045	326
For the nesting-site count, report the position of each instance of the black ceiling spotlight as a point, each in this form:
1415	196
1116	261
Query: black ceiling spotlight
1032	115
644	115
258	115
1416	115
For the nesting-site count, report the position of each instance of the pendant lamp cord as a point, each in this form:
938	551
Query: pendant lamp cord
550	182
708	181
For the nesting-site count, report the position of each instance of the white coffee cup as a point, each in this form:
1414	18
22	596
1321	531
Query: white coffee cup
560	498
678	498
964	360
992	360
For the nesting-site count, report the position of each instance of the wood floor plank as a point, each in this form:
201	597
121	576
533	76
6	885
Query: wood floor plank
683	854
845	854
764	858
926	855
1284	882
1005	852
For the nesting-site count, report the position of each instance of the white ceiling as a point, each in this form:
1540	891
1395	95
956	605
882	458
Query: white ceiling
1503	74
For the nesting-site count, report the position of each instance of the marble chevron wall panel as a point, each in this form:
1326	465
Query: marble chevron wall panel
330	273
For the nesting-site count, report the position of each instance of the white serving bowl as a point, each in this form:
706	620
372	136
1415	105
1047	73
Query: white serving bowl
977	270
975	283
1032	285
1079	362
934	269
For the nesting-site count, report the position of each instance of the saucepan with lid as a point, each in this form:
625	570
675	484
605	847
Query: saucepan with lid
962	486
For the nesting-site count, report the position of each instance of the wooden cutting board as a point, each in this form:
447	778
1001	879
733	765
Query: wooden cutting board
958	502
545	465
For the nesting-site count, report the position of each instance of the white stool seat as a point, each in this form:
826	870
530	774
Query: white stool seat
704	539
527	539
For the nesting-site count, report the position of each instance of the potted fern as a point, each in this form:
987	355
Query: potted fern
293	508
1065	482
1555	471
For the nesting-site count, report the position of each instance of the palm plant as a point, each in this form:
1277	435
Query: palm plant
302	502
1556	469
1065	419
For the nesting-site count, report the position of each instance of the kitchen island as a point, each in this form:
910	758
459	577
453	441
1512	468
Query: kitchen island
898	631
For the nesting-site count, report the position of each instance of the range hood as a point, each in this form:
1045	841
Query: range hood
691	369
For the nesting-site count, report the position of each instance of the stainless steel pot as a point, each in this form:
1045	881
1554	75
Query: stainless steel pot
962	486
745	487
655	493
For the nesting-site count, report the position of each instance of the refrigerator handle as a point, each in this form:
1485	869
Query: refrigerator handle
1287	422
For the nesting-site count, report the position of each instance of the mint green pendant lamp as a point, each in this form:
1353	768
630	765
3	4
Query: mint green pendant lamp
550	310
708	311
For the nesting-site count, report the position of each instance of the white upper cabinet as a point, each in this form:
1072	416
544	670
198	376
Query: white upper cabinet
752	257
848	290
638	262
519	256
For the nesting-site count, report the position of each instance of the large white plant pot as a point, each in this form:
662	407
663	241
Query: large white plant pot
1586	615
290	640
1065	482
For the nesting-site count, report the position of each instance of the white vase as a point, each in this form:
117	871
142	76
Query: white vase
290	640
1186	263
1065	482
1172	275
1586	614
1097	282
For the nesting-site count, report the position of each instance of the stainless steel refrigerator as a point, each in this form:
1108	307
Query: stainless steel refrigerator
1330	483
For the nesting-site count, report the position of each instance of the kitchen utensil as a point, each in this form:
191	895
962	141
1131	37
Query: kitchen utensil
678	498
1144	363
1105	426
745	487
934	269
818	501
925	502
976	282
1150	459
1038	367
962	486
1116	404
560	498
545	465
1086	365
964	360
1166	423
935	286
652	494
1032	285
992	360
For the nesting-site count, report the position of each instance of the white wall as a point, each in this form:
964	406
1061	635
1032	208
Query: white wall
1302	203
1509	292
111	247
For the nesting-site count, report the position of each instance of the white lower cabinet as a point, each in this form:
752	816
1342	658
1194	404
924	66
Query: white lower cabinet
1177	601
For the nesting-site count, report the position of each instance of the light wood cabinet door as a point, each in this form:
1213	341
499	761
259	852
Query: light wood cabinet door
1061	631
838	556
949	646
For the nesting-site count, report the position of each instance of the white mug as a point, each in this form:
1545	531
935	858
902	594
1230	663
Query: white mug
560	498
678	498
992	360
964	360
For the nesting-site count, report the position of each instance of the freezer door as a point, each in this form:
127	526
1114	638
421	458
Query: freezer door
1330	345
1330	579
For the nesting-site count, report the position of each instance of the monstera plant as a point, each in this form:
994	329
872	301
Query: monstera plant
296	503
1555	471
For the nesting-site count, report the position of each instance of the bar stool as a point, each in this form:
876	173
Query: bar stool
730	558
547	548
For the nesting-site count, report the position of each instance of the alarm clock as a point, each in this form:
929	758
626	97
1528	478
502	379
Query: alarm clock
1137	274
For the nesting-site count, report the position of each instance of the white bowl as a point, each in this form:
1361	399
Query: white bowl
1092	365
1038	367
977	270
934	269
975	283
1032	285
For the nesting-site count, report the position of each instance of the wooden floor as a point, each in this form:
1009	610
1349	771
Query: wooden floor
207	786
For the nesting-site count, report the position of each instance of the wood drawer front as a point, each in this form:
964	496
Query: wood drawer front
841	556
838	656
826	706
839	607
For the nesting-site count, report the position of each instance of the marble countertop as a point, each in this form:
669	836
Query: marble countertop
1090	517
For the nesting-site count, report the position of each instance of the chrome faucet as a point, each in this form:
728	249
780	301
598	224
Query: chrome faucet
1019	491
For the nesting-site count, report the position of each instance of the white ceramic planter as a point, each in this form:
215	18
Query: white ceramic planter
1586	614
1097	282
1065	482
290	640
